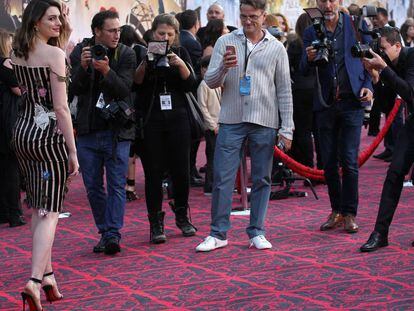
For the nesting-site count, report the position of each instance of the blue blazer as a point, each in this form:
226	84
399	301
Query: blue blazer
358	76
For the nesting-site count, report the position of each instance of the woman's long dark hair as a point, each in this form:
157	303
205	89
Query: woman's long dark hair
214	30
129	36
25	35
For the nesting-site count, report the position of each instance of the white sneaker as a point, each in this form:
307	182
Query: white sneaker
408	183
260	242
210	243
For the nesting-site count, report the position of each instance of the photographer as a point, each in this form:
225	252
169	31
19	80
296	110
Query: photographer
395	69
343	89
102	75
164	78
384	103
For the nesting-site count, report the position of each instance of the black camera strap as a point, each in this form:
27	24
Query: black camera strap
247	55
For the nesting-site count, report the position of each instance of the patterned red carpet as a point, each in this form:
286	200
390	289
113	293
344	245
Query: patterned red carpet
306	269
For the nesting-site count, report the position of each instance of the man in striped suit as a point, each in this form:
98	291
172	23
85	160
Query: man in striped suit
253	68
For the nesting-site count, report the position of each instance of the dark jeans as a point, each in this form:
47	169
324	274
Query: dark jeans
10	207
339	130
210	146
302	146
402	160
166	149
96	153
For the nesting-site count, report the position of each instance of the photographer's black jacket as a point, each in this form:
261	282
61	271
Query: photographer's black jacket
153	85
400	78
115	86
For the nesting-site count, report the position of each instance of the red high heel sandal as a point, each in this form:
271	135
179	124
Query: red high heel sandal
30	299
48	289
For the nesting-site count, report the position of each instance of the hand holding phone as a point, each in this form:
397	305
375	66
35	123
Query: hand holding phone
230	57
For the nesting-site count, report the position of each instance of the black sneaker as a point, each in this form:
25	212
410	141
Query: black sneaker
100	247
112	246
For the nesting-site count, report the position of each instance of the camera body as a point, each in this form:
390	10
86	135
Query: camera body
157	55
322	44
361	50
118	112
323	51
98	51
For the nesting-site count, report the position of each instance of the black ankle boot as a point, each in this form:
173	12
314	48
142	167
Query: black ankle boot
182	221
157	234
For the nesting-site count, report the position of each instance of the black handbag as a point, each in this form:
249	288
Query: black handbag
195	117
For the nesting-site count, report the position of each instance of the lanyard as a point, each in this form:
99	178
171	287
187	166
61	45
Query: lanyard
247	56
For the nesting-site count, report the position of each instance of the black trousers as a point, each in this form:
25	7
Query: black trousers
302	146
375	117
195	144
403	158
166	149
210	146
10	207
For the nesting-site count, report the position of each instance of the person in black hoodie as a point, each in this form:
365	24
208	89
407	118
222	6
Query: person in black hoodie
102	76
167	137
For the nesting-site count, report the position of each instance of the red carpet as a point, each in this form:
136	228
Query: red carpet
306	269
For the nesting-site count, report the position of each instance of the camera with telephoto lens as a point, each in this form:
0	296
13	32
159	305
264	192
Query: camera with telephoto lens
157	55
322	44
360	50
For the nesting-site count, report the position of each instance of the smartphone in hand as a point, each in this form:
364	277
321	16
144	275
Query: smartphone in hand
231	49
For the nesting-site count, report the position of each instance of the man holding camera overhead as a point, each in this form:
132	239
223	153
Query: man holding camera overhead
102	76
343	89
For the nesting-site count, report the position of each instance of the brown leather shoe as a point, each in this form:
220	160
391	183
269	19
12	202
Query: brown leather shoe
334	220
350	224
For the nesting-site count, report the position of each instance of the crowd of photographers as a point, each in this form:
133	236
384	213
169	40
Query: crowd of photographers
131	97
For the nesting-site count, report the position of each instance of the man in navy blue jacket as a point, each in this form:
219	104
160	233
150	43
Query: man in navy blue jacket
343	89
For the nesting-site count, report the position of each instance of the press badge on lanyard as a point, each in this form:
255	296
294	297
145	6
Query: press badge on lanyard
245	85
165	101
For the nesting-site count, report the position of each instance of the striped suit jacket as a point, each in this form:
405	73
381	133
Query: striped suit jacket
270	93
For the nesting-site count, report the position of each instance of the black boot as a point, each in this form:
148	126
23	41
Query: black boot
182	221
157	235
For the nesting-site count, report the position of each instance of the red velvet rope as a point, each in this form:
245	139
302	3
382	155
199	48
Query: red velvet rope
316	174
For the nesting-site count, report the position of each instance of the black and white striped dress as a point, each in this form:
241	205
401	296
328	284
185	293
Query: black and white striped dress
40	148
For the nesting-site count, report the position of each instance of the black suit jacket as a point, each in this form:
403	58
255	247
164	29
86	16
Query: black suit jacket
399	79
193	48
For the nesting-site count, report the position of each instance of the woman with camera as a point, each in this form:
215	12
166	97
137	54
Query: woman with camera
43	135
167	138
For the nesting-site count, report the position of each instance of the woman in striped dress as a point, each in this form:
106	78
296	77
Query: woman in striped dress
43	135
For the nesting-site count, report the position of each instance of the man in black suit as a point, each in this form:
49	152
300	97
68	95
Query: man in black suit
396	71
190	24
